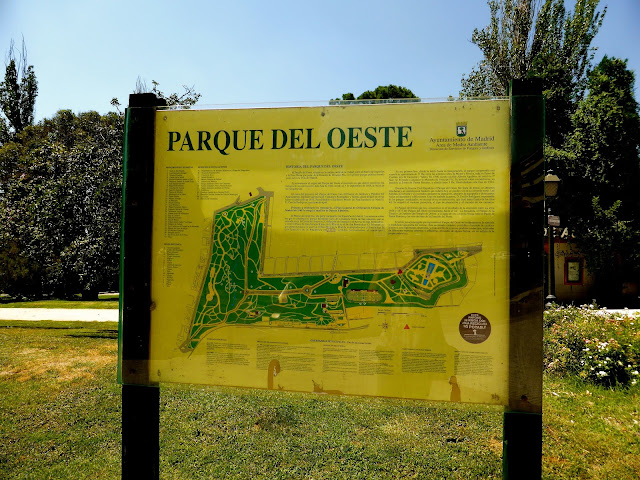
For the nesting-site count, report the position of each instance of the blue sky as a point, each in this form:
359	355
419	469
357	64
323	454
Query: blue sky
87	52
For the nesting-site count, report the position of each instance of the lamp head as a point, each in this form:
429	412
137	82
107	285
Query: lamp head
551	184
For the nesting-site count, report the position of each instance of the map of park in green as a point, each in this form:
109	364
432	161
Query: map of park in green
237	292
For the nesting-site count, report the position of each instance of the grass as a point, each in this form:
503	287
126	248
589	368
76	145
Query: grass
591	431
106	301
244	434
60	409
60	418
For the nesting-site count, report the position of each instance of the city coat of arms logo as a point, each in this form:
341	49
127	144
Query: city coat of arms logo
461	129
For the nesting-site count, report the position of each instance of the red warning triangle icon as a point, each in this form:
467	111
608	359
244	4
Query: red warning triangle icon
406	327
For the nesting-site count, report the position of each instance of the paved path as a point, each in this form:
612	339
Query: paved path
62	314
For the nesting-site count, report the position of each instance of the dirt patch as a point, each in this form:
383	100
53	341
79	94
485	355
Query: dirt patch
555	461
31	351
62	367
495	445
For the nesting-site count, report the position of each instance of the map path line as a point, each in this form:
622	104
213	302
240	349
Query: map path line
236	291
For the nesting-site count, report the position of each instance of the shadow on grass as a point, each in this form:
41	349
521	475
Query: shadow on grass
108	334
75	331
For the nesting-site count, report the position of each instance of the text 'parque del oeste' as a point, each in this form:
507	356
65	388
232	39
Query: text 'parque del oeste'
227	141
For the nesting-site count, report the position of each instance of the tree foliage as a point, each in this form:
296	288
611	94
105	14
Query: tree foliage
186	99
18	93
537	38
592	126
383	92
60	211
60	194
600	168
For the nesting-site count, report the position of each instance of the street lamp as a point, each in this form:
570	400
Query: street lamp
551	184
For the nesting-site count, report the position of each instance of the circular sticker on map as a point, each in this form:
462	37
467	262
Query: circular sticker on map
475	328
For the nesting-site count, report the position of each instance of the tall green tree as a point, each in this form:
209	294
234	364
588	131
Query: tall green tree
600	168
18	93
60	211
537	38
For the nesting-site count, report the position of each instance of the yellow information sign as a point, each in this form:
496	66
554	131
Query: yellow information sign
345	249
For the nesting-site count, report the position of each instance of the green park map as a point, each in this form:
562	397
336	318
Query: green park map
237	292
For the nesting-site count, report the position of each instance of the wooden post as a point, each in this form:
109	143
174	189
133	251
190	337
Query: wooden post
522	441
140	399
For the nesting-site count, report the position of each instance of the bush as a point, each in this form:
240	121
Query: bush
596	345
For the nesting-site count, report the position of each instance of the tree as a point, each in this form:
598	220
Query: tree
600	168
384	92
186	99
60	194
60	212
388	92
537	38
18	94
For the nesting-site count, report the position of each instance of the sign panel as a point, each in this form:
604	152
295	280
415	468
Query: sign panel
345	249
553	220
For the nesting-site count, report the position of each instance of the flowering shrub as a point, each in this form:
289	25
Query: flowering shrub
596	345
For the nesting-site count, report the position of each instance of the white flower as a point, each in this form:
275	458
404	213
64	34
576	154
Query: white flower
602	373
635	372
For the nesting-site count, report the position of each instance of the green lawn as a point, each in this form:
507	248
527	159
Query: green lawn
109	301
60	418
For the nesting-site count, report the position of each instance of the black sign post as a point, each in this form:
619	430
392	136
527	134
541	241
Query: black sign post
140	399
522	437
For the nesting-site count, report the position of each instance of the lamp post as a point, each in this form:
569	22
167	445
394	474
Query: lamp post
551	184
